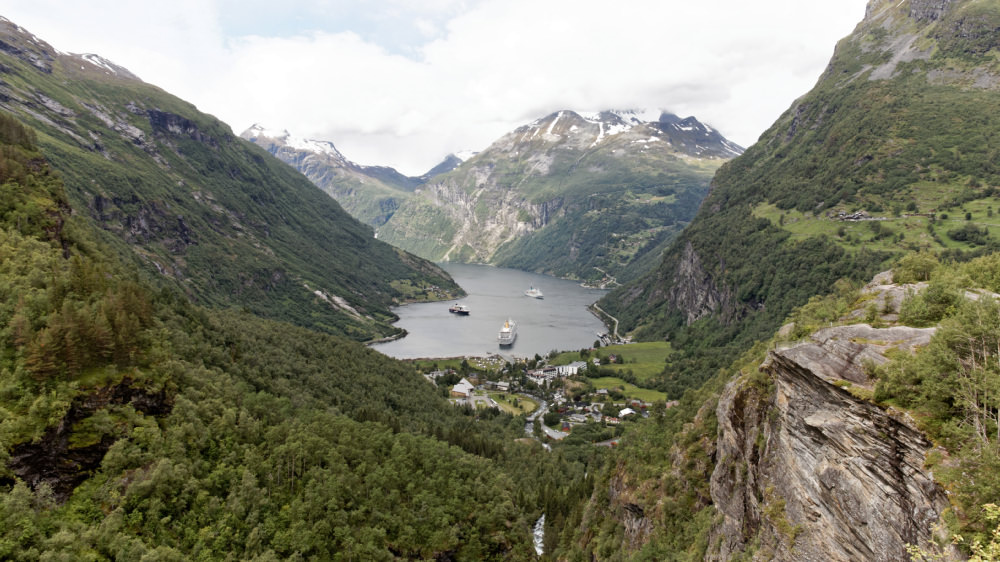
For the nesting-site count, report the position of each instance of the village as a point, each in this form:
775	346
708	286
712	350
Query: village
556	394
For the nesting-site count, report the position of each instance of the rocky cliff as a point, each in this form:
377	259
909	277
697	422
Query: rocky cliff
809	471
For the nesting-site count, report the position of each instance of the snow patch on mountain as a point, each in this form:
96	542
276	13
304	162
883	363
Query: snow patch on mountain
287	139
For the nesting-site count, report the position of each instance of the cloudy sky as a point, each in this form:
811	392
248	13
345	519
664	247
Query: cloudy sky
404	82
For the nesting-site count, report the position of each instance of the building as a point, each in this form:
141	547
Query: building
463	389
571	369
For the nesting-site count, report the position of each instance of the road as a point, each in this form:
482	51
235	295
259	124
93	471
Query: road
598	309
529	427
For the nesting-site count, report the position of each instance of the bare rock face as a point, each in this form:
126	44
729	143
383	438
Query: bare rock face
923	10
841	353
811	472
56	461
693	290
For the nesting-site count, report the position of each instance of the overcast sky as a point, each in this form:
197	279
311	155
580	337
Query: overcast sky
403	82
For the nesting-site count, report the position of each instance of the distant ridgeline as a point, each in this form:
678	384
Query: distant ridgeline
199	208
136	425
594	197
899	132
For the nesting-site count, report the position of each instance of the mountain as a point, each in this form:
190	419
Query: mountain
199	208
571	194
371	194
892	151
138	425
858	430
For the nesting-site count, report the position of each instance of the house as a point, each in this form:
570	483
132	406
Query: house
503	386
611	420
571	369
626	412
463	389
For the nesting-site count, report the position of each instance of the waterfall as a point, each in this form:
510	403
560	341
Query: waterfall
540	535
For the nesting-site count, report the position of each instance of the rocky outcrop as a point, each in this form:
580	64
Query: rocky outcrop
693	290
808	471
56	461
929	10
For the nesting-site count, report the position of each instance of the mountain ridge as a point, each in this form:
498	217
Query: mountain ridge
200	208
531	200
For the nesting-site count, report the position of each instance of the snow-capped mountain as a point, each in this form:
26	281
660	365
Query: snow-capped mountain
686	136
574	194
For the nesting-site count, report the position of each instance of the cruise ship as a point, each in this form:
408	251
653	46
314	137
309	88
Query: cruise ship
508	333
534	293
459	309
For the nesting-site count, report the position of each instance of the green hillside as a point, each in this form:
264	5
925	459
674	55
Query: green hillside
136	425
901	126
580	197
369	194
201	209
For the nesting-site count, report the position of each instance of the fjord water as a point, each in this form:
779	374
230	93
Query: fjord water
560	321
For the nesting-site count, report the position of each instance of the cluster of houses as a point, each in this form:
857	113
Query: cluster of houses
575	413
598	409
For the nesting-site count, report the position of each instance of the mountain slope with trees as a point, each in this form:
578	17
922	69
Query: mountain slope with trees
902	127
575	195
137	425
199	208
893	151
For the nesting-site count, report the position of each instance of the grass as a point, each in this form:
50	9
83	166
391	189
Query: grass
914	229
506	402
481	364
629	390
645	359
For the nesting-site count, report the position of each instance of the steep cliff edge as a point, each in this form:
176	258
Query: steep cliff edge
794	452
809	471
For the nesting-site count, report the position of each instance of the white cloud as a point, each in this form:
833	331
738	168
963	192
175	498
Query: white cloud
488	67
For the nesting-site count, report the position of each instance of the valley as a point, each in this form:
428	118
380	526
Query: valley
251	347
591	197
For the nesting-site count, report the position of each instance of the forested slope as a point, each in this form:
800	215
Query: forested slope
199	208
135	424
902	126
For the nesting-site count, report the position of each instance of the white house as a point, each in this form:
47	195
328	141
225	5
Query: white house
626	412
463	389
571	369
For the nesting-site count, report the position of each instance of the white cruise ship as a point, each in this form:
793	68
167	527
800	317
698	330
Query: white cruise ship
508	333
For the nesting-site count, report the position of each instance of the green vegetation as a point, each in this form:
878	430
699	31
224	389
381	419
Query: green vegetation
137	425
514	404
642	361
628	390
915	150
950	387
200	210
596	213
913	144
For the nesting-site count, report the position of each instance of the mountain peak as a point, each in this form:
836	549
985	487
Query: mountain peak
104	65
687	136
284	138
